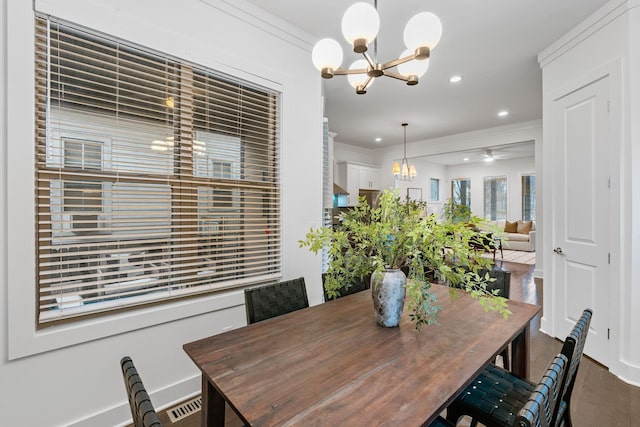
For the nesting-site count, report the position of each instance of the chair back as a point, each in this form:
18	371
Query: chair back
502	282
573	348
538	411
142	410
267	301
344	291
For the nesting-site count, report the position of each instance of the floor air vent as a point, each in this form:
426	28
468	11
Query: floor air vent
184	409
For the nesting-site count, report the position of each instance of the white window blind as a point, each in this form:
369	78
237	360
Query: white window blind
327	188
155	178
435	190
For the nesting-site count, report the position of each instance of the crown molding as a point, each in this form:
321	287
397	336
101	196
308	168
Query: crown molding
592	24
517	132
265	21
352	148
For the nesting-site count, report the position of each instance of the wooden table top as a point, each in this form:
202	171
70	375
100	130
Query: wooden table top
332	365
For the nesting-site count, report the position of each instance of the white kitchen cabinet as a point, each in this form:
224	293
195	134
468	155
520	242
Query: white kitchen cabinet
369	178
357	176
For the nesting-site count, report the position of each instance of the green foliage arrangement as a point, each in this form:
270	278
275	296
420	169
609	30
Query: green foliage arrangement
397	234
455	213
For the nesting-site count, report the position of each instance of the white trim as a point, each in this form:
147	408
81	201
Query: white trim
267	22
162	399
24	339
613	70
352	148
143	34
368	165
595	22
508	134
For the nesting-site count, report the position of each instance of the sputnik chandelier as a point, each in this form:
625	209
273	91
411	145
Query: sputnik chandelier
360	25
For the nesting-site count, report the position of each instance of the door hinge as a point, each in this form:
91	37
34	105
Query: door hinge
609	258
609	182
608	333
608	106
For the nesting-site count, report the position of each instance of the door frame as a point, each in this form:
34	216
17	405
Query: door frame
617	221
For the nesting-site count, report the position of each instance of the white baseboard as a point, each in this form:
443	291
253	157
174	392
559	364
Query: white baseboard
120	415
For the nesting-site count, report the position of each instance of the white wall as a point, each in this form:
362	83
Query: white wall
70	373
606	43
512	169
421	150
425	171
350	153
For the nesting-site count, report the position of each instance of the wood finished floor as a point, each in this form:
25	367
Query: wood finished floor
599	399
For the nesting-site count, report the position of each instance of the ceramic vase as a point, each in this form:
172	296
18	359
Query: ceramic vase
388	291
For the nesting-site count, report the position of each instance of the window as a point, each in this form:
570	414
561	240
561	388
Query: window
156	179
327	188
528	197
461	192
495	198
435	190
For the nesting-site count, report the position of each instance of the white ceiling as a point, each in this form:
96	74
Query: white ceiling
492	44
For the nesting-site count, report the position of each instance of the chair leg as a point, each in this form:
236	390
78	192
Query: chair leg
453	416
505	359
567	417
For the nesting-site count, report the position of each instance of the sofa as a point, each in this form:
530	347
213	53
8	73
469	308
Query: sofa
517	235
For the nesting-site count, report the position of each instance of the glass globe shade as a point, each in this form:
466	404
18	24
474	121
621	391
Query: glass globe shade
413	68
360	21
423	29
356	80
327	53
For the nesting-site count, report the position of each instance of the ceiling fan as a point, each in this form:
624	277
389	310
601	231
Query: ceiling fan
489	156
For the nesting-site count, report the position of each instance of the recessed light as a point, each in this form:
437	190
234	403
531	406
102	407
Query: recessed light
503	113
378	139
466	159
455	79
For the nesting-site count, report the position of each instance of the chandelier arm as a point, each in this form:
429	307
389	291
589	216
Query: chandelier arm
343	72
395	62
396	76
369	60
368	82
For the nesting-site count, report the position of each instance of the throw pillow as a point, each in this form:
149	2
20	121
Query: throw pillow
524	227
510	227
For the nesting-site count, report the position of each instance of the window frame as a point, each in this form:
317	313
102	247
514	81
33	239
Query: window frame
461	200
105	172
532	205
494	213
437	193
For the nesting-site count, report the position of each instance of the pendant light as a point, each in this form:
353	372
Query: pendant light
403	171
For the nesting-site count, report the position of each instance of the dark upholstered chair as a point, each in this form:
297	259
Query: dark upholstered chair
503	285
142	410
531	409
495	395
573	348
538	411
267	301
344	291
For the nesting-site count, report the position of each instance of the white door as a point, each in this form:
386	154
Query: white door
581	213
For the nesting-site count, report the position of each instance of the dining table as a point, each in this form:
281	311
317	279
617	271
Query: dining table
332	365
